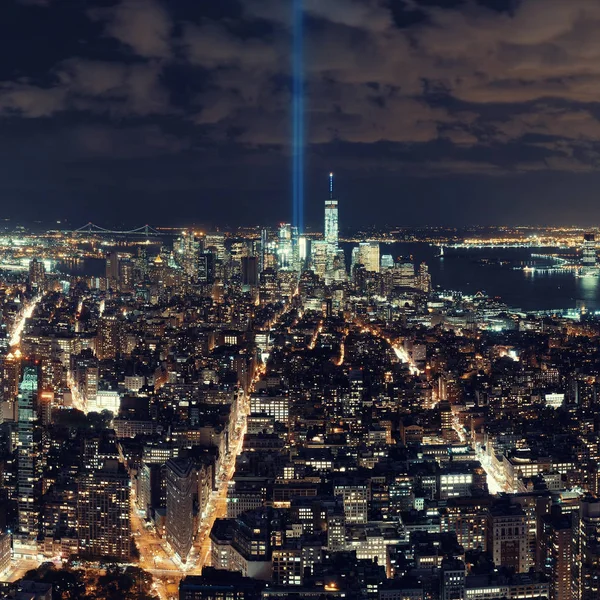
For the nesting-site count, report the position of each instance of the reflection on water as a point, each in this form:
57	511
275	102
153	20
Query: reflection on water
90	267
588	287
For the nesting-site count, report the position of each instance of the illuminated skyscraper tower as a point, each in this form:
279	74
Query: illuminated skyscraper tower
28	461
37	275
331	220
590	261
288	248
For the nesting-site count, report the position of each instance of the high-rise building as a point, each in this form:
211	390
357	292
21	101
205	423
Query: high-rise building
303	249
268	290
250	271
126	275
85	374
556	549
5	552
403	275
182	488
11	374
336	529
103	523
206	268
589	258
586	556
288	251
45	405
28	458
331	220
215	244
424	278
37	275
268	250
507	536
187	248
366	254
319	257
108	341
354	496
112	270
387	261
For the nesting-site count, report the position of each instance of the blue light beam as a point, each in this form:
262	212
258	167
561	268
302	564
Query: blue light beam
298	141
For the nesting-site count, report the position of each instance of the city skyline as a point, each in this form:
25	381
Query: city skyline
262	333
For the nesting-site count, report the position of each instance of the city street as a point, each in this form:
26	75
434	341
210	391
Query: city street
154	556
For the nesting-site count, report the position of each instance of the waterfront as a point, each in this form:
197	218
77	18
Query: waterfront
491	270
495	271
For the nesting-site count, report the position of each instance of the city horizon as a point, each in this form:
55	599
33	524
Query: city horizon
262	333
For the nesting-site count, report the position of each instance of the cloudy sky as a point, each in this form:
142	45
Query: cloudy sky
178	111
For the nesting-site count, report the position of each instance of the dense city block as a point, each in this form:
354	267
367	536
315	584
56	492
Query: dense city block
258	414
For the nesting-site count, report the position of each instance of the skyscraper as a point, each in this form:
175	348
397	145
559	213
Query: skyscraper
556	550
103	524
11	373
37	275
288	248
206	268
112	270
108	340
331	220
585	571
319	251
250	271
187	247
507	536
589	258
366	254
182	486
28	459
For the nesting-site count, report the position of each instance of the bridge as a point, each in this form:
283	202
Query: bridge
92	229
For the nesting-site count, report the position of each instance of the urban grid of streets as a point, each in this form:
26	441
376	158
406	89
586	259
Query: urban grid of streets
154	556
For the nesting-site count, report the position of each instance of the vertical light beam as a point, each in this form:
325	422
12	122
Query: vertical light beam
298	116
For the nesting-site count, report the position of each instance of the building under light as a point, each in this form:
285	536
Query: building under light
589	259
28	461
103	522
366	254
288	249
331	220
181	487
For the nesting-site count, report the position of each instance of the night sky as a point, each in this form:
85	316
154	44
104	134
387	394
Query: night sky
178	111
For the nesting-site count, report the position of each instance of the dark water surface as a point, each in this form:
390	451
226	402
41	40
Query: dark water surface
473	270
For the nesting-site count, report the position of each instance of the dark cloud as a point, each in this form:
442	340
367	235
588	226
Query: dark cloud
428	89
143	26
